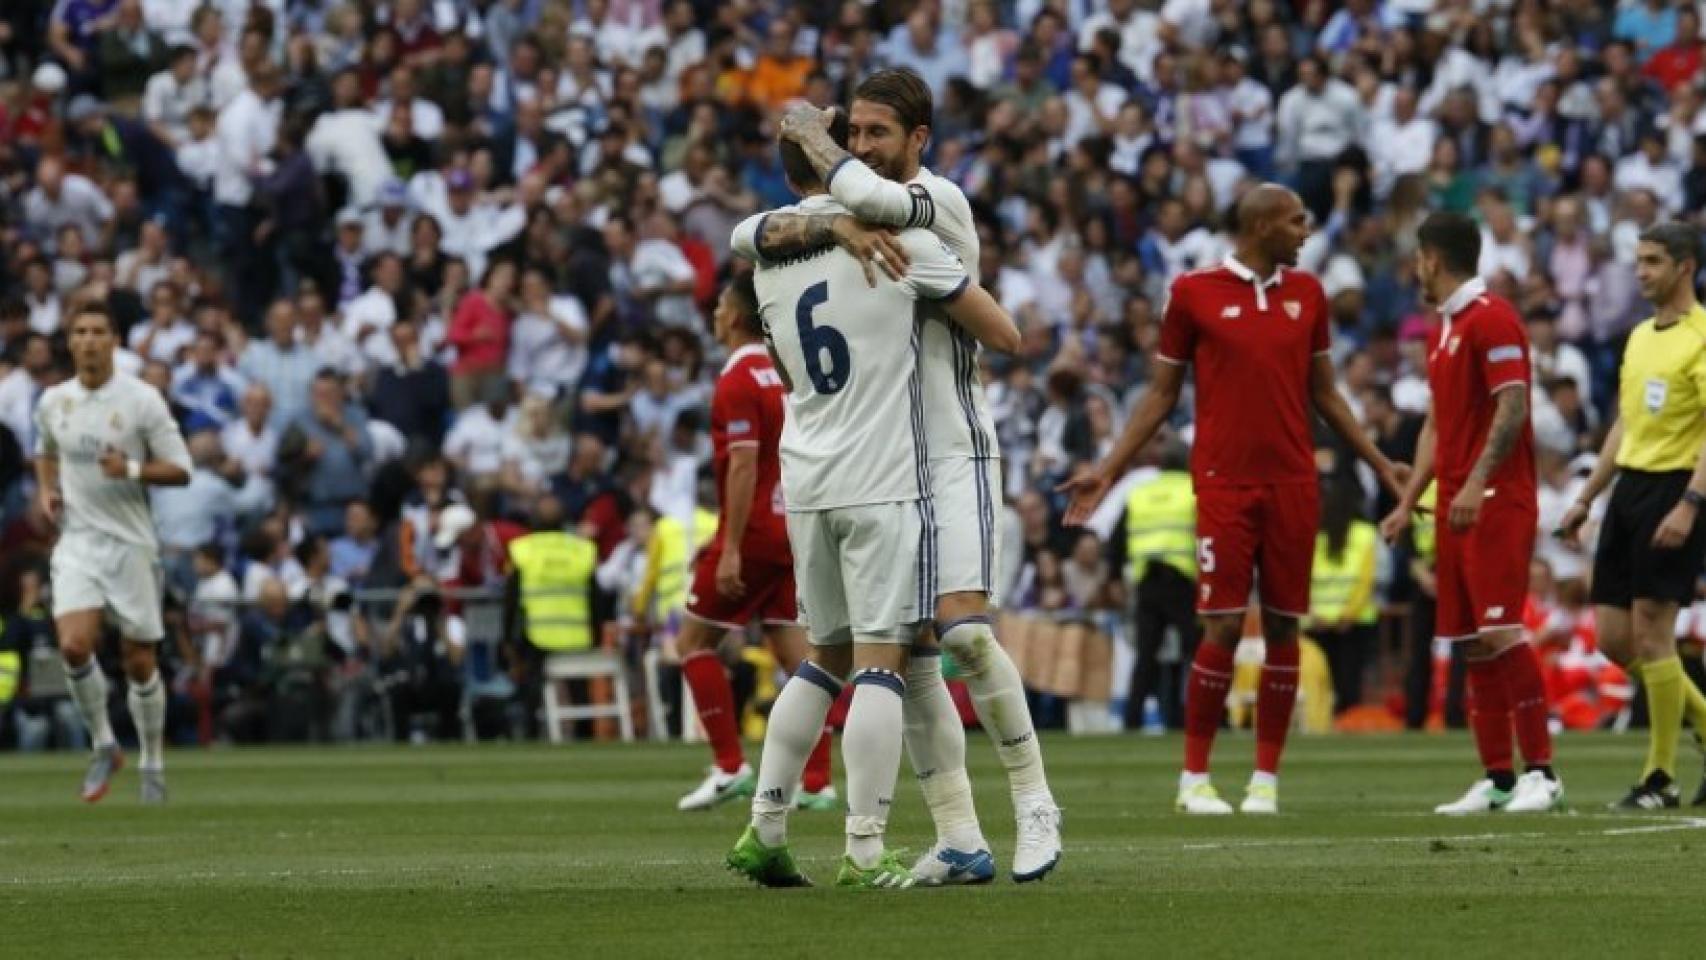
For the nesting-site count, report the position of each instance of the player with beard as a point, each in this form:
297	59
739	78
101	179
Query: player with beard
1257	333
879	179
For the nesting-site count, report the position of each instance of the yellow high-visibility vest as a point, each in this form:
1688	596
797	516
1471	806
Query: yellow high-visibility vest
1335	584
10	666
556	572
669	562
1161	524
1422	532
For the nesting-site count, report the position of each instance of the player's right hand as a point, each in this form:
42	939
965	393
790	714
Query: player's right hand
1569	530
871	245
1396	523
1088	488
729	582
52	505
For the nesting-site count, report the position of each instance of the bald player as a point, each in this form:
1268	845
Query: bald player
1257	332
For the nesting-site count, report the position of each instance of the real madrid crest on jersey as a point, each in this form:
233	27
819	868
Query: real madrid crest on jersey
1293	309
115	422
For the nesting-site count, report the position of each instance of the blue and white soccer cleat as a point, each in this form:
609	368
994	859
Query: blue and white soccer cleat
946	867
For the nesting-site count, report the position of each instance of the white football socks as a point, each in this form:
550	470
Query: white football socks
936	743
148	711
998	695
870	750
796	721
89	692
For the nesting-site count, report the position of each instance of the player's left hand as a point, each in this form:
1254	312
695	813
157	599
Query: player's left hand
1677	525
114	463
729	583
1466	506
1395	523
1397	478
803	117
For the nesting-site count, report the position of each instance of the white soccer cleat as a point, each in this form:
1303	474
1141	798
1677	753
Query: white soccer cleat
1482	797
1535	792
1260	798
718	788
1201	799
1038	849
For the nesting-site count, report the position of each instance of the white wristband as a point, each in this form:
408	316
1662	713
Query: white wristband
133	469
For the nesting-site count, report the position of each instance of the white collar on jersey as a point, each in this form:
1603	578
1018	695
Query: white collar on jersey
1473	289
1249	276
742	353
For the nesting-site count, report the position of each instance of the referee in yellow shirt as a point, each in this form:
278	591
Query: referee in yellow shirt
1652	541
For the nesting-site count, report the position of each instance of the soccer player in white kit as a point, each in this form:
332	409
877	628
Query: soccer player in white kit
882	182
104	438
859	519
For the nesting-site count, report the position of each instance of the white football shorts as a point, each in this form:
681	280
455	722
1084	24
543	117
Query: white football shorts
123	580
861	570
966	500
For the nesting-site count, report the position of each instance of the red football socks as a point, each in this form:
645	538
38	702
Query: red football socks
715	700
1275	699
816	775
1525	685
1205	703
1490	713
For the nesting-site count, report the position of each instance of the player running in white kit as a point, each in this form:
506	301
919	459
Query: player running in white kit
883	182
104	438
855	478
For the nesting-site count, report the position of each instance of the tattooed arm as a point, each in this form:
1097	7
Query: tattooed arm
768	237
1508	421
868	196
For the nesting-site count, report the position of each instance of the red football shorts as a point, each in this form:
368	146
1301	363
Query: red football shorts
769	596
1482	574
1262	536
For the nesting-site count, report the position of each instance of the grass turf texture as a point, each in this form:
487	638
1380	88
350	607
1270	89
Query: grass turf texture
506	851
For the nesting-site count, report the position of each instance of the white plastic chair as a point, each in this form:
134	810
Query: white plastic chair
563	667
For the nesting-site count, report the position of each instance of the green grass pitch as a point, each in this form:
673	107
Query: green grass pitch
577	851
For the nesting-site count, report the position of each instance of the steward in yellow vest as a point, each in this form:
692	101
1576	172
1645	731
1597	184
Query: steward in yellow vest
1161	567
669	566
552	585
1342	611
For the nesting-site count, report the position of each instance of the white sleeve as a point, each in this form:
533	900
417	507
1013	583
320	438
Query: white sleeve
505	226
874	199
744	240
165	441
47	445
935	272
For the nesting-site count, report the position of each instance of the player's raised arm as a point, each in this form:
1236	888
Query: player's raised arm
856	186
1088	487
766	238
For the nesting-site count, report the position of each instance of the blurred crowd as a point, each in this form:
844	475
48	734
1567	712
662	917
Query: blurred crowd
403	267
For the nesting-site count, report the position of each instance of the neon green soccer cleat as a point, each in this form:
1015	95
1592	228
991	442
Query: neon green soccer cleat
765	866
890	873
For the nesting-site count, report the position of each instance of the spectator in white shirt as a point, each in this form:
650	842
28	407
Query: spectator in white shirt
61	199
198	155
547	342
535	449
1503	247
388	226
685	42
320	334
140	268
652	270
165	335
346	140
1092	107
1138	30
1318	120
1402	143
252	444
368	318
1252	106
473	226
1648	168
475	443
427	119
40	297
172	93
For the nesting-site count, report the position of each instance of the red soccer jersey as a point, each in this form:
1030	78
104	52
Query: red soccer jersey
747	410
1252	347
1482	349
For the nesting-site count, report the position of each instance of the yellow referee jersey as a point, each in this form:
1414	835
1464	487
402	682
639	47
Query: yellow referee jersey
1662	397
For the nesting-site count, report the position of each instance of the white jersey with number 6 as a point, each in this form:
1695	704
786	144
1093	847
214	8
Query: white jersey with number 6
855	430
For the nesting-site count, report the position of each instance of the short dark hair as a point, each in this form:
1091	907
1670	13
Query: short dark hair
94	308
1679	240
1455	238
745	296
902	91
798	167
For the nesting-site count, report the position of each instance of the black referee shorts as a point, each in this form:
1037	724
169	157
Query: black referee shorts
1626	568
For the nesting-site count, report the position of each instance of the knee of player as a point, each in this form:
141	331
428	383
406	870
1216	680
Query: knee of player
1224	630
139	661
